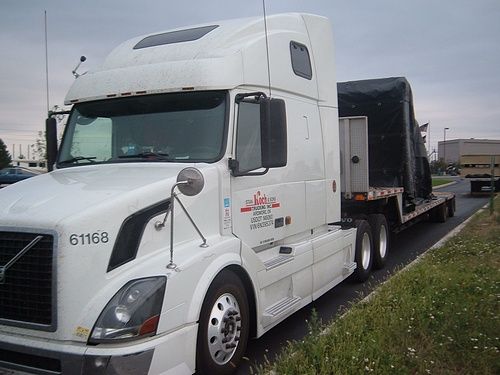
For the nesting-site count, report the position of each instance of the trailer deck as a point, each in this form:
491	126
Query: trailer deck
378	193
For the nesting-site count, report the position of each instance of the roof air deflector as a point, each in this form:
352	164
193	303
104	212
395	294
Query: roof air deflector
179	36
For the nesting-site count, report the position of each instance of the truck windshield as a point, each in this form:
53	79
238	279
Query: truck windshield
180	127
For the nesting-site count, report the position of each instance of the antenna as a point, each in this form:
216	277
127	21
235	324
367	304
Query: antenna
267	46
46	62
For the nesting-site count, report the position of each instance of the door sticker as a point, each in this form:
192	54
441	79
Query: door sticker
260	209
227	214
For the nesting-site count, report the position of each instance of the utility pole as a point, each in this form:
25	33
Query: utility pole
429	136
492	192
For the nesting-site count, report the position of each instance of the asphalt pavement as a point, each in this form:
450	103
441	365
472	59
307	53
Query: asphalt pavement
406	246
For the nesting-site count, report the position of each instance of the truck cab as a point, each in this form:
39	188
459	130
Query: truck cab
235	128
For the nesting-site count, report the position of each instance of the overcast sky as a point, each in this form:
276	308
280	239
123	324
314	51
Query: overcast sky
449	50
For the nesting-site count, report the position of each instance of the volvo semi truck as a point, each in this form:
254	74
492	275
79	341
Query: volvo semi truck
204	190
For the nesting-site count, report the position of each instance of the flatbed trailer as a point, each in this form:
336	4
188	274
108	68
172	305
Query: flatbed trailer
387	209
382	196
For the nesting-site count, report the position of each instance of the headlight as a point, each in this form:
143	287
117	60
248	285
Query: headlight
132	313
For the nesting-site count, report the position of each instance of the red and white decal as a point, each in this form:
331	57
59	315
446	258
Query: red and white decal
260	208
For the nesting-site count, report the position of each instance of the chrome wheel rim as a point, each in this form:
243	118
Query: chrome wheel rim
365	251
383	242
224	327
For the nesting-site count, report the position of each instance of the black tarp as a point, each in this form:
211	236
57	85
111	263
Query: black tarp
397	155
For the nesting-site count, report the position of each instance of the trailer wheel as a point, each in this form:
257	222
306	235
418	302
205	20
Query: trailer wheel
381	239
451	207
441	213
364	251
223	326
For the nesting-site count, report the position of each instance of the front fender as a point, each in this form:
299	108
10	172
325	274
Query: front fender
222	258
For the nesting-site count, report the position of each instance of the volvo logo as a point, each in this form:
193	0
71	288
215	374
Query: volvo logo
3	269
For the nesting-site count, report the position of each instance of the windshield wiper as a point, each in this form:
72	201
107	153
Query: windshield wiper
78	158
147	155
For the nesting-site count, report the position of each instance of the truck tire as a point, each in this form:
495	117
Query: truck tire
381	239
364	251
223	326
440	213
451	207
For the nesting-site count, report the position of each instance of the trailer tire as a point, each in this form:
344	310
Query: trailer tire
364	251
441	213
451	207
381	239
223	327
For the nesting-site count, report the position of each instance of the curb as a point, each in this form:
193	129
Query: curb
438	244
444	185
454	231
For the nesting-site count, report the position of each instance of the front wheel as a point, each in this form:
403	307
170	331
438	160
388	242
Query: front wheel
223	327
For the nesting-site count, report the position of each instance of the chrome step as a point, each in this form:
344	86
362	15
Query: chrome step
349	268
281	306
277	261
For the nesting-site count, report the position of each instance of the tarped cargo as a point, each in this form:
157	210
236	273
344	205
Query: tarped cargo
397	155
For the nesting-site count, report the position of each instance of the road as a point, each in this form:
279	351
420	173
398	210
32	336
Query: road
406	246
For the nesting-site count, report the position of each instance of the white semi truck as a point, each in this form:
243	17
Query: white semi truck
196	201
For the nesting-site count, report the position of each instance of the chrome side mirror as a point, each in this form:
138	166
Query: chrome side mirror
190	182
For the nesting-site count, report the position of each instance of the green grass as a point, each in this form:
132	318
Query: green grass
440	181
440	316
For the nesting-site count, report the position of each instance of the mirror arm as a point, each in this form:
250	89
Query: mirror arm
204	243
161	224
257	95
233	167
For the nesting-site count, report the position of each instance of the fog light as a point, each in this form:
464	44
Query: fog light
101	362
95	365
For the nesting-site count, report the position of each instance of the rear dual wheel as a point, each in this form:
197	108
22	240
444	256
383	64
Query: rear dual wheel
364	249
372	245
381	239
451	207
439	214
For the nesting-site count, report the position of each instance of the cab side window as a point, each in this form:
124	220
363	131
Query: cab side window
301	62
248	145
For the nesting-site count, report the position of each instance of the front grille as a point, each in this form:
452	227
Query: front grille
26	293
29	361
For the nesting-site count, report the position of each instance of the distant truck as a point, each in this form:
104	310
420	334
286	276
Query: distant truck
199	199
477	168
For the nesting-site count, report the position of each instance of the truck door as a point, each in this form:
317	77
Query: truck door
274	211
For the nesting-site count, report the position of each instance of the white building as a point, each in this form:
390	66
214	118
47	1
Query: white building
37	165
453	150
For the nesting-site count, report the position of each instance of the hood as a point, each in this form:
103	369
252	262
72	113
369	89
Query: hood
46	200
96	200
